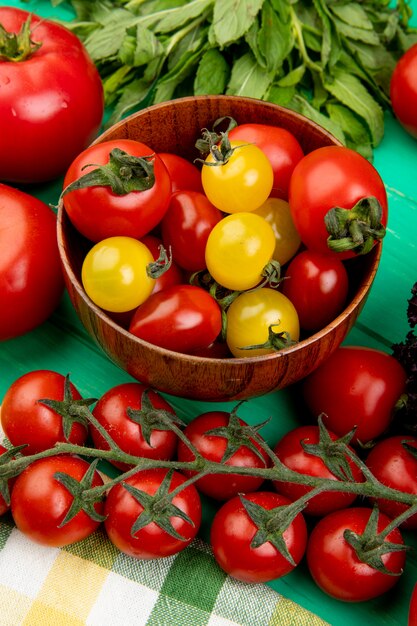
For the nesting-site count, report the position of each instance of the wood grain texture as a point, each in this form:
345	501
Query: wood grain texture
174	127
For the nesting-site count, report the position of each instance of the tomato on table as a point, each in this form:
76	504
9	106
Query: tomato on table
144	434
40	503
182	318
334	564
291	452
212	445
127	501
186	227
31	280
233	531
356	387
242	182
261	322
280	146
26	420
238	249
403	90
44	120
394	464
317	284
329	177
97	211
115	274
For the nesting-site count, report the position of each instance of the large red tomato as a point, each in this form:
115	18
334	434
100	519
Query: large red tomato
31	281
403	90
51	103
329	177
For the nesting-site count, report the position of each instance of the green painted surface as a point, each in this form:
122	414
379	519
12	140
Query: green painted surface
61	344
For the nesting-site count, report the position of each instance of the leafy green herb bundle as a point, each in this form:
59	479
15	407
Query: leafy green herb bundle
328	59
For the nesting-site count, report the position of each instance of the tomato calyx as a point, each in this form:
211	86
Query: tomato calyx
151	418
7	471
217	144
271	524
357	228
123	173
17	47
371	546
71	411
238	435
82	493
161	264
332	452
213	137
158	508
276	340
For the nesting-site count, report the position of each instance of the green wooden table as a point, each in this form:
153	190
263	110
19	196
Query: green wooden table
62	344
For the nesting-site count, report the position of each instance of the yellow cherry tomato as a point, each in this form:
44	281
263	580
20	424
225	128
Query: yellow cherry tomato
114	274
238	249
250	317
242	183
287	240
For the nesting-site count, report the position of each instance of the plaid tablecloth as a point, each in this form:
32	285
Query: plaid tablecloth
92	583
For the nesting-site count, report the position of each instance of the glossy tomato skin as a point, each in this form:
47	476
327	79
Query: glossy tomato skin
292	454
151	541
317	284
40	503
242	183
99	213
334	564
280	146
174	275
31	280
393	465
183	318
184	175
325	178
232	532
403	90
186	227
43	107
111	412
252	313
355	387
213	447
26	421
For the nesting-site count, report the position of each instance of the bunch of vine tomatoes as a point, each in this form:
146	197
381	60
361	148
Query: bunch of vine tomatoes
229	254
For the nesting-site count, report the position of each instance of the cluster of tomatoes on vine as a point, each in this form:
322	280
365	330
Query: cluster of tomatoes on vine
190	258
275	506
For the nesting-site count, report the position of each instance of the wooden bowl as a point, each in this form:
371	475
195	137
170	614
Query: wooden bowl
173	127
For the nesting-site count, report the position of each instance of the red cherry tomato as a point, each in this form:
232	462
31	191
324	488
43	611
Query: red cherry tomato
332	176
184	175
395	466
128	434
27	421
335	566
280	146
51	103
183	318
355	387
151	541
317	285
232	532
98	213
403	90
292	454
213	447
186	226
40	503
31	281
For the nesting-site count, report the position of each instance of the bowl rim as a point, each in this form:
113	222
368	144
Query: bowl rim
360	294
